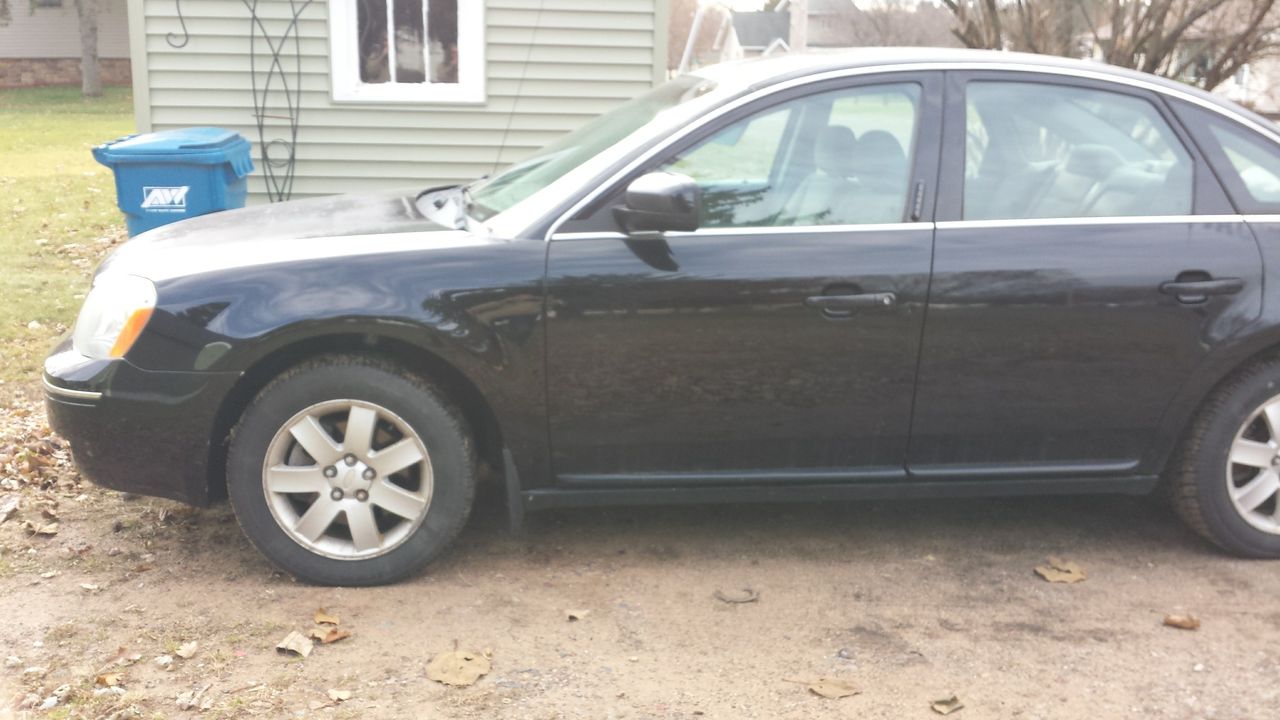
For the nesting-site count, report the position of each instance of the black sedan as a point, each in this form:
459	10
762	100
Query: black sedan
884	274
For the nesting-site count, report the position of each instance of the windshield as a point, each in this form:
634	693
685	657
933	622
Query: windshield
493	195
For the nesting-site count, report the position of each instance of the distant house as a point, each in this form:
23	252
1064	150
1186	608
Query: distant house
1256	85
348	95
832	23
40	43
761	33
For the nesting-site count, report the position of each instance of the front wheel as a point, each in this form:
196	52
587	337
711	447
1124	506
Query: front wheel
347	471
1226	484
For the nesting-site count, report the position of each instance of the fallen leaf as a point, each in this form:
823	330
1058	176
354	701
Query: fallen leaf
186	650
832	688
324	618
339	695
295	643
946	706
576	615
1182	622
107	679
1061	571
329	635
8	506
459	668
746	595
41	529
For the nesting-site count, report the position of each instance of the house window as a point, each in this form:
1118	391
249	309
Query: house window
423	51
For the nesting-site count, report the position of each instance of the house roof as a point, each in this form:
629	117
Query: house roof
759	29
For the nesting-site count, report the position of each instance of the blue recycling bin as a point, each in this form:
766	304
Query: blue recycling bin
164	177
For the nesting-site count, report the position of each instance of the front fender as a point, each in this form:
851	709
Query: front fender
478	309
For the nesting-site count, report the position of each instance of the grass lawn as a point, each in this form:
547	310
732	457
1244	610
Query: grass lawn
56	207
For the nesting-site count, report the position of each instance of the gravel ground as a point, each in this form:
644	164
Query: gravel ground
909	602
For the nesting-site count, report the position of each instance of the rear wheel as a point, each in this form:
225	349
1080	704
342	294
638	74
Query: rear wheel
347	471
1226	484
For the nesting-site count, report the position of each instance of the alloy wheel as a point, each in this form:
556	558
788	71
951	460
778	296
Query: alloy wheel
347	479
1253	468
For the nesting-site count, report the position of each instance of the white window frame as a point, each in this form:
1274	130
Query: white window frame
344	49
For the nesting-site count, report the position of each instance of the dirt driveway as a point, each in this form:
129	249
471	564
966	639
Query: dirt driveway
911	602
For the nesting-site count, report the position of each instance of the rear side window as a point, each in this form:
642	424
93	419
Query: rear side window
1053	151
1254	160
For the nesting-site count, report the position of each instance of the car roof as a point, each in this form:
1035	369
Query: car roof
757	73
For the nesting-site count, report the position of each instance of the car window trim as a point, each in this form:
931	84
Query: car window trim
608	183
1100	220
755	230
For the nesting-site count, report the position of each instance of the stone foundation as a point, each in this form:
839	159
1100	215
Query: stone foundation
30	72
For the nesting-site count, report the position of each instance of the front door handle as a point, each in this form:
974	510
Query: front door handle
837	306
1194	292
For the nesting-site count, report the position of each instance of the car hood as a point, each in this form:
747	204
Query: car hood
328	227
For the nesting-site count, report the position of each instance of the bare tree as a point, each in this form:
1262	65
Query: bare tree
90	68
902	23
1200	41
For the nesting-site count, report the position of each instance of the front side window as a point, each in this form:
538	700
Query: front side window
407	50
1052	151
491	196
837	158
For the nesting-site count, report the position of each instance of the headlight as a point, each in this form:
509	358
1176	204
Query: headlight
114	313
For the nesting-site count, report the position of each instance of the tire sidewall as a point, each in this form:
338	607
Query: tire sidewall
438	427
1231	530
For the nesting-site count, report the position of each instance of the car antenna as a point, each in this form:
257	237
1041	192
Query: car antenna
515	101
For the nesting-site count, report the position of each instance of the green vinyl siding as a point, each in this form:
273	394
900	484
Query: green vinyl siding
550	66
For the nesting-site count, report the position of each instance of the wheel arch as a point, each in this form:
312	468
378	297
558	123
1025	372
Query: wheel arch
1213	375
461	389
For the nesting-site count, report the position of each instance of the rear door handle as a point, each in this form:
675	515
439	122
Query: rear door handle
845	305
1193	292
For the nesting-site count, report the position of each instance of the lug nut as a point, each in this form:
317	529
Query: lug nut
336	493
369	473
362	495
331	471
349	459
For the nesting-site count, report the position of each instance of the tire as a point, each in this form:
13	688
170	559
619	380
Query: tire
337	510
1210	489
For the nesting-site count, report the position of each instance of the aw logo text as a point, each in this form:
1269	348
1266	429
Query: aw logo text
165	199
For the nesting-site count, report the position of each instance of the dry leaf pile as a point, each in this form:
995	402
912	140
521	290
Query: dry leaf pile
31	455
325	632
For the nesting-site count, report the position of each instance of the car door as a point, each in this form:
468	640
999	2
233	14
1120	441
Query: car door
1086	263
732	352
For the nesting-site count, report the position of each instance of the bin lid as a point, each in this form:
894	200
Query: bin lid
200	145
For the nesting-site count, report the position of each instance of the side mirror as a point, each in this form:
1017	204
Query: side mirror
660	201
